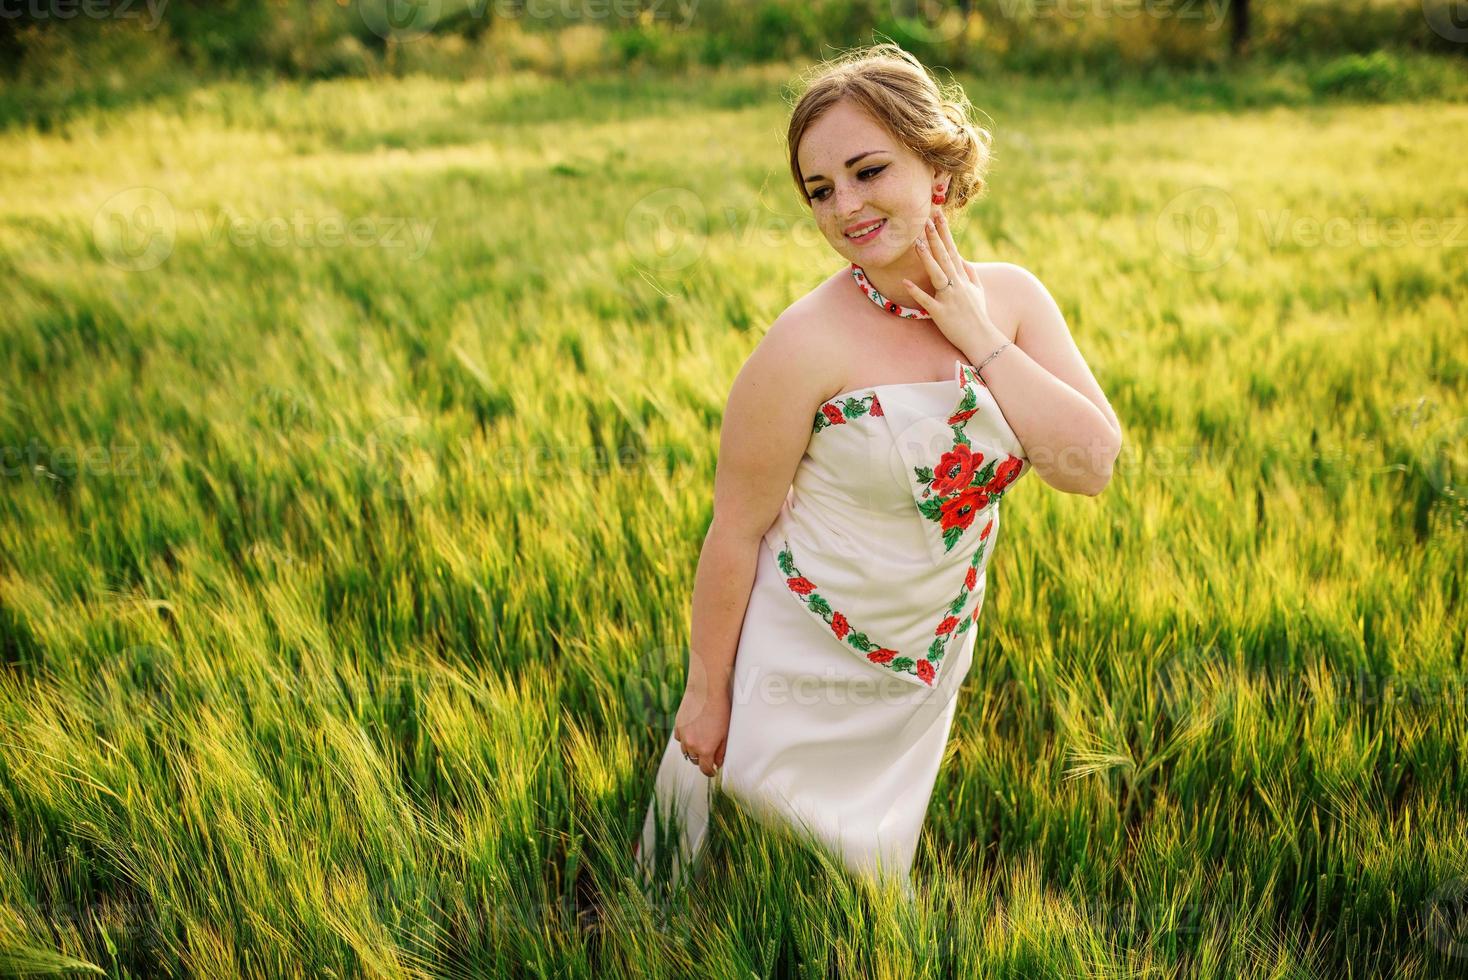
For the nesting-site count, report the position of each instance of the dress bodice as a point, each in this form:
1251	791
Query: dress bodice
886	531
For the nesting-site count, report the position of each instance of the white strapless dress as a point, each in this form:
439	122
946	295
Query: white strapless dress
859	628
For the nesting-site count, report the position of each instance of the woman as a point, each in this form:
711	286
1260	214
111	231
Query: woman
865	447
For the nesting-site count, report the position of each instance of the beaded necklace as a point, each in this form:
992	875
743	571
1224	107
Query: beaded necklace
909	312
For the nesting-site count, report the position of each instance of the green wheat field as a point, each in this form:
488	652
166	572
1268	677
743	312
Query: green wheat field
359	442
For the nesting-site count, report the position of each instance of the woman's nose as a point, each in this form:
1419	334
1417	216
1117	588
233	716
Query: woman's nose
848	202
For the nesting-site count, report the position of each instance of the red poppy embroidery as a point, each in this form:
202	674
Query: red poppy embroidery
842	628
953	623
955	470
961	485
843	410
1006	473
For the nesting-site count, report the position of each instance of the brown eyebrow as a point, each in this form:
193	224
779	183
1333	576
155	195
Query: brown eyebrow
848	163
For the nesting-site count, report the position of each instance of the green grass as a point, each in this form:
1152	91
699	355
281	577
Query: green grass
344	587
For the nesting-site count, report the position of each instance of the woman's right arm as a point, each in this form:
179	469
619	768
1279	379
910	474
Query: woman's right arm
764	433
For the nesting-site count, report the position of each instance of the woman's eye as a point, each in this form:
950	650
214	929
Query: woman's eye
821	194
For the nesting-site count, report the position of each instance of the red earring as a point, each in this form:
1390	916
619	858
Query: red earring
939	198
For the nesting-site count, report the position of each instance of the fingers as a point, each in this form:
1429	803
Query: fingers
924	300
925	251
939	248
708	763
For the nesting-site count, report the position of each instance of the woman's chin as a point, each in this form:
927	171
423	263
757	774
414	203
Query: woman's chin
869	258
874	255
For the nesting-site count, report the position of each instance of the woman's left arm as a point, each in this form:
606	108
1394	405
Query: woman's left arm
1050	398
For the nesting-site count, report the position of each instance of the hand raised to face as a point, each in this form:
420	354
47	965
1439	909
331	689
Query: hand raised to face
958	304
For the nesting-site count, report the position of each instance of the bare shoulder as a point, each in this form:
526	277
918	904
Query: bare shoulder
797	351
767	422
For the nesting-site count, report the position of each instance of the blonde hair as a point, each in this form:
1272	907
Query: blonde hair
897	91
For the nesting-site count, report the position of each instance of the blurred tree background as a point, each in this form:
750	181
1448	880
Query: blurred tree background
56	55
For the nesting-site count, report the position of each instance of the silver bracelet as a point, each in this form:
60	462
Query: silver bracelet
980	369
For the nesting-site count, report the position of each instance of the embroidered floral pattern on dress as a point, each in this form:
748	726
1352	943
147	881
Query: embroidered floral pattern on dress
954	622
961	484
843	410
842	628
951	463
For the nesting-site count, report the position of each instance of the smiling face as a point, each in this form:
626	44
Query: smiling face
855	172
